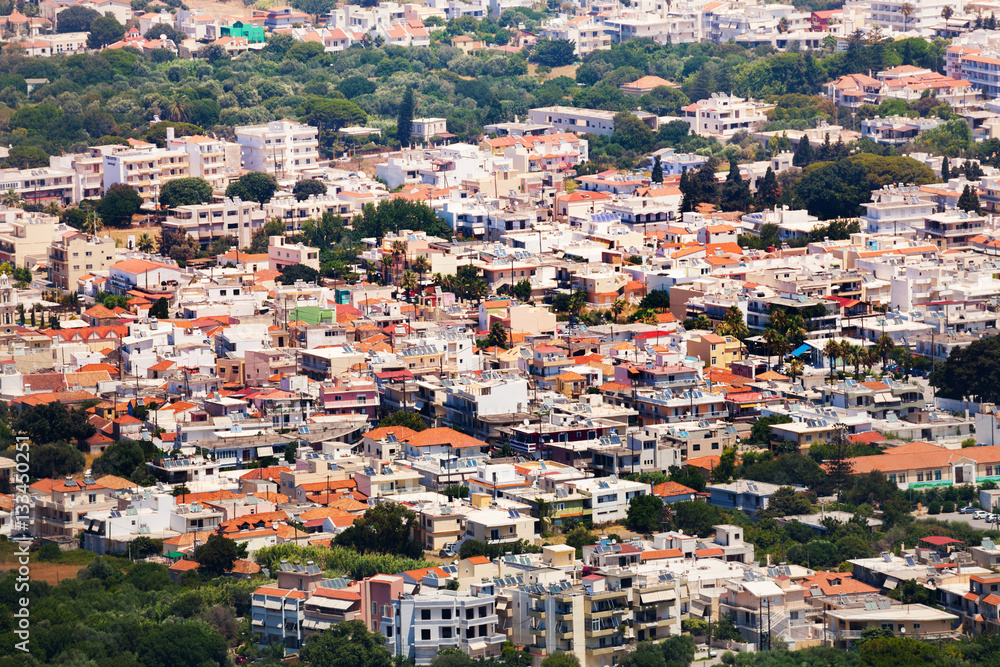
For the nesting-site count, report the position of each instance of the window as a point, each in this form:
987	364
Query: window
445	633
425	635
446	614
920	476
425	615
937	475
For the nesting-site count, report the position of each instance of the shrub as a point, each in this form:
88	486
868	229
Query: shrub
947	507
934	507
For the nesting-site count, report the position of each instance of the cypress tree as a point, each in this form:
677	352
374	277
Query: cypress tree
803	155
404	120
945	172
657	175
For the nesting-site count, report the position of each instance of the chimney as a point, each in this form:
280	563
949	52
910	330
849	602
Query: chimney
170	134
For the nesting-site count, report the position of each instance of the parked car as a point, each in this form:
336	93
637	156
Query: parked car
447	551
980	514
968	509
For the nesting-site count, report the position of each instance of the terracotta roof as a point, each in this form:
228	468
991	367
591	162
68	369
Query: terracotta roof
443	436
672	489
661	553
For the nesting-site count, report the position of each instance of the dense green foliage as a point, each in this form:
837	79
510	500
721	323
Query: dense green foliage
971	372
387	528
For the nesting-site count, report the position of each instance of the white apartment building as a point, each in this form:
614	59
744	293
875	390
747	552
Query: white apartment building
981	68
610	496
426	128
41	185
145	168
208	222
214	160
923	15
672	28
421	625
724	115
898	210
281	253
583	121
282	147
89	172
586	33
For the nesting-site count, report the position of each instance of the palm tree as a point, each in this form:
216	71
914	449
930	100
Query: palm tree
11	199
577	301
421	266
857	358
616	309
947	13
781	348
179	109
906	9
782	25
398	251
871	358
477	290
831	350
145	243
795	369
409	282
386	265
770	336
884	346
780	320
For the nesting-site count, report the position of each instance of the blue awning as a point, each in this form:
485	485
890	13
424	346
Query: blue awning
800	350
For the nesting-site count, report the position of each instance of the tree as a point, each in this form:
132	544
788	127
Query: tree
657	299
768	190
217	555
969	200
213	53
696	518
27	157
561	660
292	273
644	514
786	501
803	154
54	460
498	335
145	243
387	528
404	118
104	30
410	420
646	654
160	309
579	537
308	186
255	186
181	644
724	471
945	171
315	7
735	191
346	644
122	458
631	133
522	290
452	657
185	192
553	52
76	19
656	176
119	203
678	650
52	422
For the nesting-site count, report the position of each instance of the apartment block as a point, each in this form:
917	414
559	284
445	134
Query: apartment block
146	168
75	254
207	222
724	115
282	147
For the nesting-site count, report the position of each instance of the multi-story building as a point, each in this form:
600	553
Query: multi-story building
899	210
64	510
896	130
902	16
214	160
282	147
587	33
205	223
583	121
75	254
423	624
25	235
278	616
41	185
146	168
281	253
724	115
953	228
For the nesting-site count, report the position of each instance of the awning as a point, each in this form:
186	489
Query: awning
419	405
880	398
657	596
477	646
331	603
801	349
272	604
265	451
890	584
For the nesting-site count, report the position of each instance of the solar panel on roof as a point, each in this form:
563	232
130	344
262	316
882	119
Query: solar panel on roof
909	561
886	557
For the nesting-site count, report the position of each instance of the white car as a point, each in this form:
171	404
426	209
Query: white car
980	514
